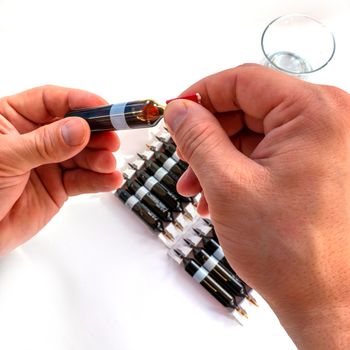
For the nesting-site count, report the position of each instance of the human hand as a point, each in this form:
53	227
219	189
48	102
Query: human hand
271	154
44	159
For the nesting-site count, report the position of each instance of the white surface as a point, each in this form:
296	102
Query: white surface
95	277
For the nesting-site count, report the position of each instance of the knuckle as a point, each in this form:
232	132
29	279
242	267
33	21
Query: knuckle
47	87
46	95
249	66
191	143
43	143
90	160
338	97
329	96
331	108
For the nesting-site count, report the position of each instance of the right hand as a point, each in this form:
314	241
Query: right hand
271	155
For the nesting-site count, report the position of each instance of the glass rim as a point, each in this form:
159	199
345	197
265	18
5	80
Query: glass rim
297	15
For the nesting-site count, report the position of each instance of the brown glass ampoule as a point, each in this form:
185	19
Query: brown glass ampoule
170	199
201	276
140	209
121	116
151	201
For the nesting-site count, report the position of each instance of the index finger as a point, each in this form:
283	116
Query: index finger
45	104
252	88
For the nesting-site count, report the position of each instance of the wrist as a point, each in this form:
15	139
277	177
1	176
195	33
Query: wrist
326	327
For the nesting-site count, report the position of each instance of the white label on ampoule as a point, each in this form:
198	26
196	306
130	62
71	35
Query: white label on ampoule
160	173
131	202
150	182
175	157
141	192
219	254
210	263
168	164
118	117
200	274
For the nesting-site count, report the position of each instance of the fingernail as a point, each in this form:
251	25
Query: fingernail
74	132
175	114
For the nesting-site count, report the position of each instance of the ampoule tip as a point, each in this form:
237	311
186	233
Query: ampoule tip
198	232
208	222
168	235
141	156
178	225
132	166
179	253
188	216
194	97
189	242
252	300
242	311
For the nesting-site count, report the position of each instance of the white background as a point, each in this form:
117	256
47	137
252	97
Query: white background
95	277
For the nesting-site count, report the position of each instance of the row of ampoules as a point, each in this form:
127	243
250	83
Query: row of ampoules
150	188
150	192
205	262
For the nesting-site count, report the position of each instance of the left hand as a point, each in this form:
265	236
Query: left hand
45	158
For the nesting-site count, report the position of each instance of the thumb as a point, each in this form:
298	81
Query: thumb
204	144
51	143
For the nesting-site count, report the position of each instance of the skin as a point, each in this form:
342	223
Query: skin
271	156
38	169
278	189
